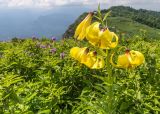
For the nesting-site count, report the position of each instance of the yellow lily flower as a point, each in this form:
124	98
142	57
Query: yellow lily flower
99	63
80	32
101	38
92	33
136	58
106	39
89	61
79	53
87	58
93	61
130	59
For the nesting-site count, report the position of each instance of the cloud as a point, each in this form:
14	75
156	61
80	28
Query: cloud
20	3
34	3
53	3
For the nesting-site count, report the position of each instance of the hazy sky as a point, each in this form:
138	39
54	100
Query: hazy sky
47	4
24	18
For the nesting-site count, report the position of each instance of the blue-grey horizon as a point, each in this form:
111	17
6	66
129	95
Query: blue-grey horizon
51	4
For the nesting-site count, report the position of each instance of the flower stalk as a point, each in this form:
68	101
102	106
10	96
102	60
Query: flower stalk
103	39
110	82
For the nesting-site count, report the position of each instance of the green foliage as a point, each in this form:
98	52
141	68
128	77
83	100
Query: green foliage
35	80
135	91
126	20
150	18
100	18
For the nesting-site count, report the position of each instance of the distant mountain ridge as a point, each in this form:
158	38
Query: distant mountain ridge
147	17
40	23
126	19
23	23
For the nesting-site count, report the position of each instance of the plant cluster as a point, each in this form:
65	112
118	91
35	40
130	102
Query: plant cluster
40	76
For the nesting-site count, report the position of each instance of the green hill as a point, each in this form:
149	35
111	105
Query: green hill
41	76
127	20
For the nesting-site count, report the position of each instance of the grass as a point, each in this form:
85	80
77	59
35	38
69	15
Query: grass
35	80
130	27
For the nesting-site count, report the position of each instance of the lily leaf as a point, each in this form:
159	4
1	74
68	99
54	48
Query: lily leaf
106	15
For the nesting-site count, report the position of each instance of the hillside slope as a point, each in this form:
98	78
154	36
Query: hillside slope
127	20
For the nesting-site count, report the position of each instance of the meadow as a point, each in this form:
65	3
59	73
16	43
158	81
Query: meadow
41	76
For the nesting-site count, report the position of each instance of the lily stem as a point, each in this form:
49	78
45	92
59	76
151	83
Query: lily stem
110	82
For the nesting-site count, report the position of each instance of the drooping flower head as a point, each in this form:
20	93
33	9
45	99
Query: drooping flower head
86	57
102	38
130	59
42	46
34	38
53	50
53	39
62	55
48	45
80	32
38	45
79	53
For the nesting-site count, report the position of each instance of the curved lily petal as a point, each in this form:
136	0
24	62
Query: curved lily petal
123	61
78	53
81	28
94	62
87	58
92	33
82	54
74	52
106	39
130	59
136	58
103	39
113	64
99	63
114	43
90	61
